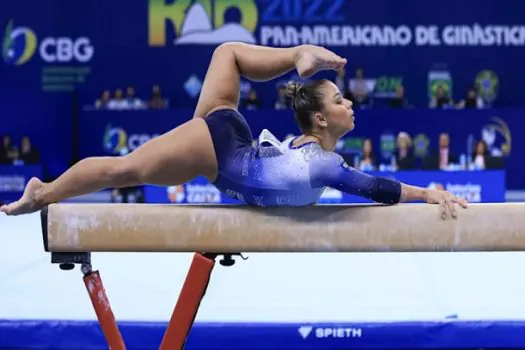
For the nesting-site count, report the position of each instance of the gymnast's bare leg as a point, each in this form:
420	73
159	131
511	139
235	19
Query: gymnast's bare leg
186	151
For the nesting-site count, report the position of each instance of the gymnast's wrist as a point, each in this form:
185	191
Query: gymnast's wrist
413	193
424	194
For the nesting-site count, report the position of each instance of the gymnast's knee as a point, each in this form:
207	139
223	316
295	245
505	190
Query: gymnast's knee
125	172
225	48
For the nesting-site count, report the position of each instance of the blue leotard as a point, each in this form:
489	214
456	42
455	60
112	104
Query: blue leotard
274	173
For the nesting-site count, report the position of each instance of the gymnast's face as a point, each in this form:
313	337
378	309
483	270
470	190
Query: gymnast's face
337	116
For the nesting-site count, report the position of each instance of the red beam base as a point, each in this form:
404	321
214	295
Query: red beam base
105	316
188	303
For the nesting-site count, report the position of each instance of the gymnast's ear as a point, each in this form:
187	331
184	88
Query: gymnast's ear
320	120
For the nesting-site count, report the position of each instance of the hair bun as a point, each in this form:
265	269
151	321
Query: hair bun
292	89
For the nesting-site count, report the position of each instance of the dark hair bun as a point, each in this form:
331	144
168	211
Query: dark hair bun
292	89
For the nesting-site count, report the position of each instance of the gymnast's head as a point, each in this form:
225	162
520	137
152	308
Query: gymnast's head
320	108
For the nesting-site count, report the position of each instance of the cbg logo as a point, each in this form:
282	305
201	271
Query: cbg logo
118	141
20	44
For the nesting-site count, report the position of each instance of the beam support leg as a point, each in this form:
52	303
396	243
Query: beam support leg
188	302
100	302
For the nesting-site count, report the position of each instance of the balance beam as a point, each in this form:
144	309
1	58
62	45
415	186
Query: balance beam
325	228
72	231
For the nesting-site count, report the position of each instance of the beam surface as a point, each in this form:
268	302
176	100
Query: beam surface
323	228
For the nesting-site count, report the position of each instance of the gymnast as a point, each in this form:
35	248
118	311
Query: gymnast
217	143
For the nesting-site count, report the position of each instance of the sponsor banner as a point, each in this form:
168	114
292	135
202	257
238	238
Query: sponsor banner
198	191
474	186
408	335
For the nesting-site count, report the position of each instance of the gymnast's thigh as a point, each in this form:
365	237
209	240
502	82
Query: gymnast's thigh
177	156
221	85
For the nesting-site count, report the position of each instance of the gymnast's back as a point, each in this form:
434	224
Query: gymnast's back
273	173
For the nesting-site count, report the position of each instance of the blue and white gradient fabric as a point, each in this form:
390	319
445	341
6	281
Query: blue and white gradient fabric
273	173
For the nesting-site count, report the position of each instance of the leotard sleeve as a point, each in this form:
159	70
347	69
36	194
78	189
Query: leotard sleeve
329	169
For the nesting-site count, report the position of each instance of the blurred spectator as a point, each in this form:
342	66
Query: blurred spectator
103	101
443	157
340	81
282	101
127	195
251	102
133	102
441	99
471	101
481	156
367	161
28	154
505	150
157	101
245	86
405	159
117	102
399	100
8	151
359	89
343	85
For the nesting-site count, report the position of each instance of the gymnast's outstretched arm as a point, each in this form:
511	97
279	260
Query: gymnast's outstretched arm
232	60
332	171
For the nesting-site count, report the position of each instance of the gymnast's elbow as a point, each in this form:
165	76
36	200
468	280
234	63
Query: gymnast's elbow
381	190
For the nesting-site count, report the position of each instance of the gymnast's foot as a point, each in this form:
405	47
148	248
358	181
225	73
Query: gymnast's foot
28	203
312	59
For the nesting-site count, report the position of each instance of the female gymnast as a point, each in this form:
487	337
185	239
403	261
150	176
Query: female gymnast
217	143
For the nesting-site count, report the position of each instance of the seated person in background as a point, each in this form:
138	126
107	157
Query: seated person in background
103	101
251	102
157	101
127	195
282	101
340	81
118	102
443	157
471	101
367	161
132	101
441	99
399	101
28	154
405	159
481	157
359	89
8	151
343	84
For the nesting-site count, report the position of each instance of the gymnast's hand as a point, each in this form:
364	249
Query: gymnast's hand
29	202
311	59
446	201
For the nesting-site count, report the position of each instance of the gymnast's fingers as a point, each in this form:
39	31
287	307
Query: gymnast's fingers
462	202
451	207
443	208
